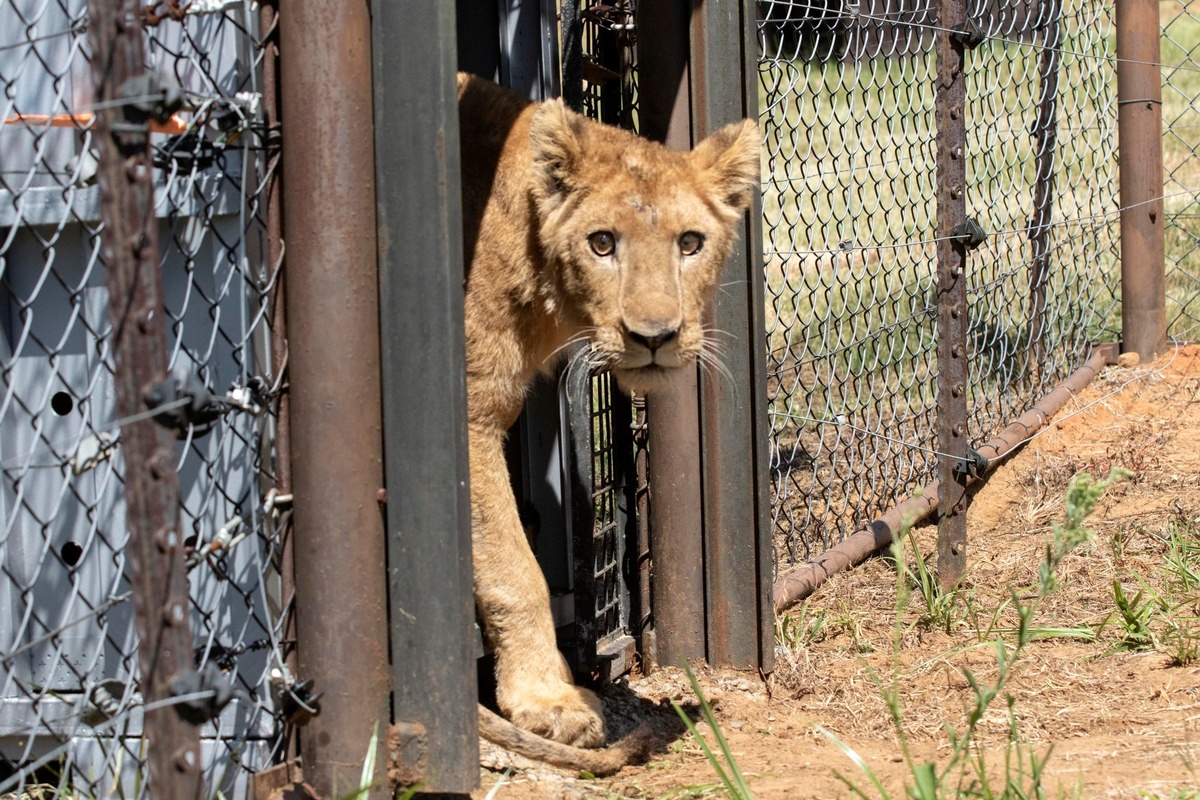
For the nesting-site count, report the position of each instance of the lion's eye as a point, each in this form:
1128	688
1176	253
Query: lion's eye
691	243
603	243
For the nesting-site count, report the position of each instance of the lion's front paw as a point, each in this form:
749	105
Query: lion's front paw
559	711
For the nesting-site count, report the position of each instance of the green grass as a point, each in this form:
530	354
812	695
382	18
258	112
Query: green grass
966	770
724	764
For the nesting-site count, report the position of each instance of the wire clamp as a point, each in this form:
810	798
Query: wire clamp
300	703
205	692
153	95
969	234
187	403
973	466
968	32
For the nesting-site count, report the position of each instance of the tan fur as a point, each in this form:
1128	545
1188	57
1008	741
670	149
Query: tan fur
538	181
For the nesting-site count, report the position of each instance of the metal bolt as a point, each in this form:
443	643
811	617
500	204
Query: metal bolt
958	430
159	465
956	153
956	192
956	548
185	759
381	495
956	351
166	539
147	321
957	391
955	312
173	614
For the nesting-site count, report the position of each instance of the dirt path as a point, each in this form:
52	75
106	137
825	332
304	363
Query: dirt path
1122	722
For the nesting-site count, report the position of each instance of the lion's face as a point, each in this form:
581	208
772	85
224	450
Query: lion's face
640	239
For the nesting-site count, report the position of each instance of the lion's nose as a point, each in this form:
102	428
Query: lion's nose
654	336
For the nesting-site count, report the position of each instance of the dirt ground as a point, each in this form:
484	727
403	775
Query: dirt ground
1118	714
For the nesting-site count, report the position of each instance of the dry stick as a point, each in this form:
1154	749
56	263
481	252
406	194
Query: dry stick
799	582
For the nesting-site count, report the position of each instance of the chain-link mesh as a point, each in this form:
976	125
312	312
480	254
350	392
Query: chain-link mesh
1180	52
70	712
849	170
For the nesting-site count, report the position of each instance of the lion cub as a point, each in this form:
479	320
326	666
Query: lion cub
573	231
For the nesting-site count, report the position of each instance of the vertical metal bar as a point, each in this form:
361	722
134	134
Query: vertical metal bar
1045	135
268	19
424	376
676	516
737	555
952	295
572	55
1139	122
638	502
129	252
333	368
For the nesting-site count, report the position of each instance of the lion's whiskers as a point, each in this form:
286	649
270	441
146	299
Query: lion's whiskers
583	336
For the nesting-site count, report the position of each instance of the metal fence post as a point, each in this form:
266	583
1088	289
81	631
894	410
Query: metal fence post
129	251
737	538
676	517
424	382
951	293
333	367
1139	121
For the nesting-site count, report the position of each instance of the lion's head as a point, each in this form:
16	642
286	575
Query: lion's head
638	234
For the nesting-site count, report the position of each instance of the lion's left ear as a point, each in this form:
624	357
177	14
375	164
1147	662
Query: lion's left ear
555	140
731	157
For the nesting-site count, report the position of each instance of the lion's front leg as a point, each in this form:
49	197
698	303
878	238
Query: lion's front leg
533	683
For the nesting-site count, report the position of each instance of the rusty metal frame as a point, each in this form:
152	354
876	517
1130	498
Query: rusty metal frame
709	523
737	546
333	369
672	416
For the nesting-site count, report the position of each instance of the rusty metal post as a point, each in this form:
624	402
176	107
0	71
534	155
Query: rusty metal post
1139	121
737	540
1045	136
951	293
129	252
673	416
333	369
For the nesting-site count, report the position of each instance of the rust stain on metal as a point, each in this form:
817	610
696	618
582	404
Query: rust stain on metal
408	754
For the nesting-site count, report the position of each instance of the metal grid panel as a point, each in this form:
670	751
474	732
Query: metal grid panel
1180	52
609	72
69	698
849	174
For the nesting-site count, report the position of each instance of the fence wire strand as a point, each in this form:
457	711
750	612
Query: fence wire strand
71	707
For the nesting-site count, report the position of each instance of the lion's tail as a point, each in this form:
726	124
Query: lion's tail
633	748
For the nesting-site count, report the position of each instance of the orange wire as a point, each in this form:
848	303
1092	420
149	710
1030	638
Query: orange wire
176	124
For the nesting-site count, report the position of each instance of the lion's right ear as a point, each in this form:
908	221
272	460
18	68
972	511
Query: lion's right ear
556	142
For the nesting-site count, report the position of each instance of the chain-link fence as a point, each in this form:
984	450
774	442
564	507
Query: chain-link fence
850	170
70	709
1180	49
